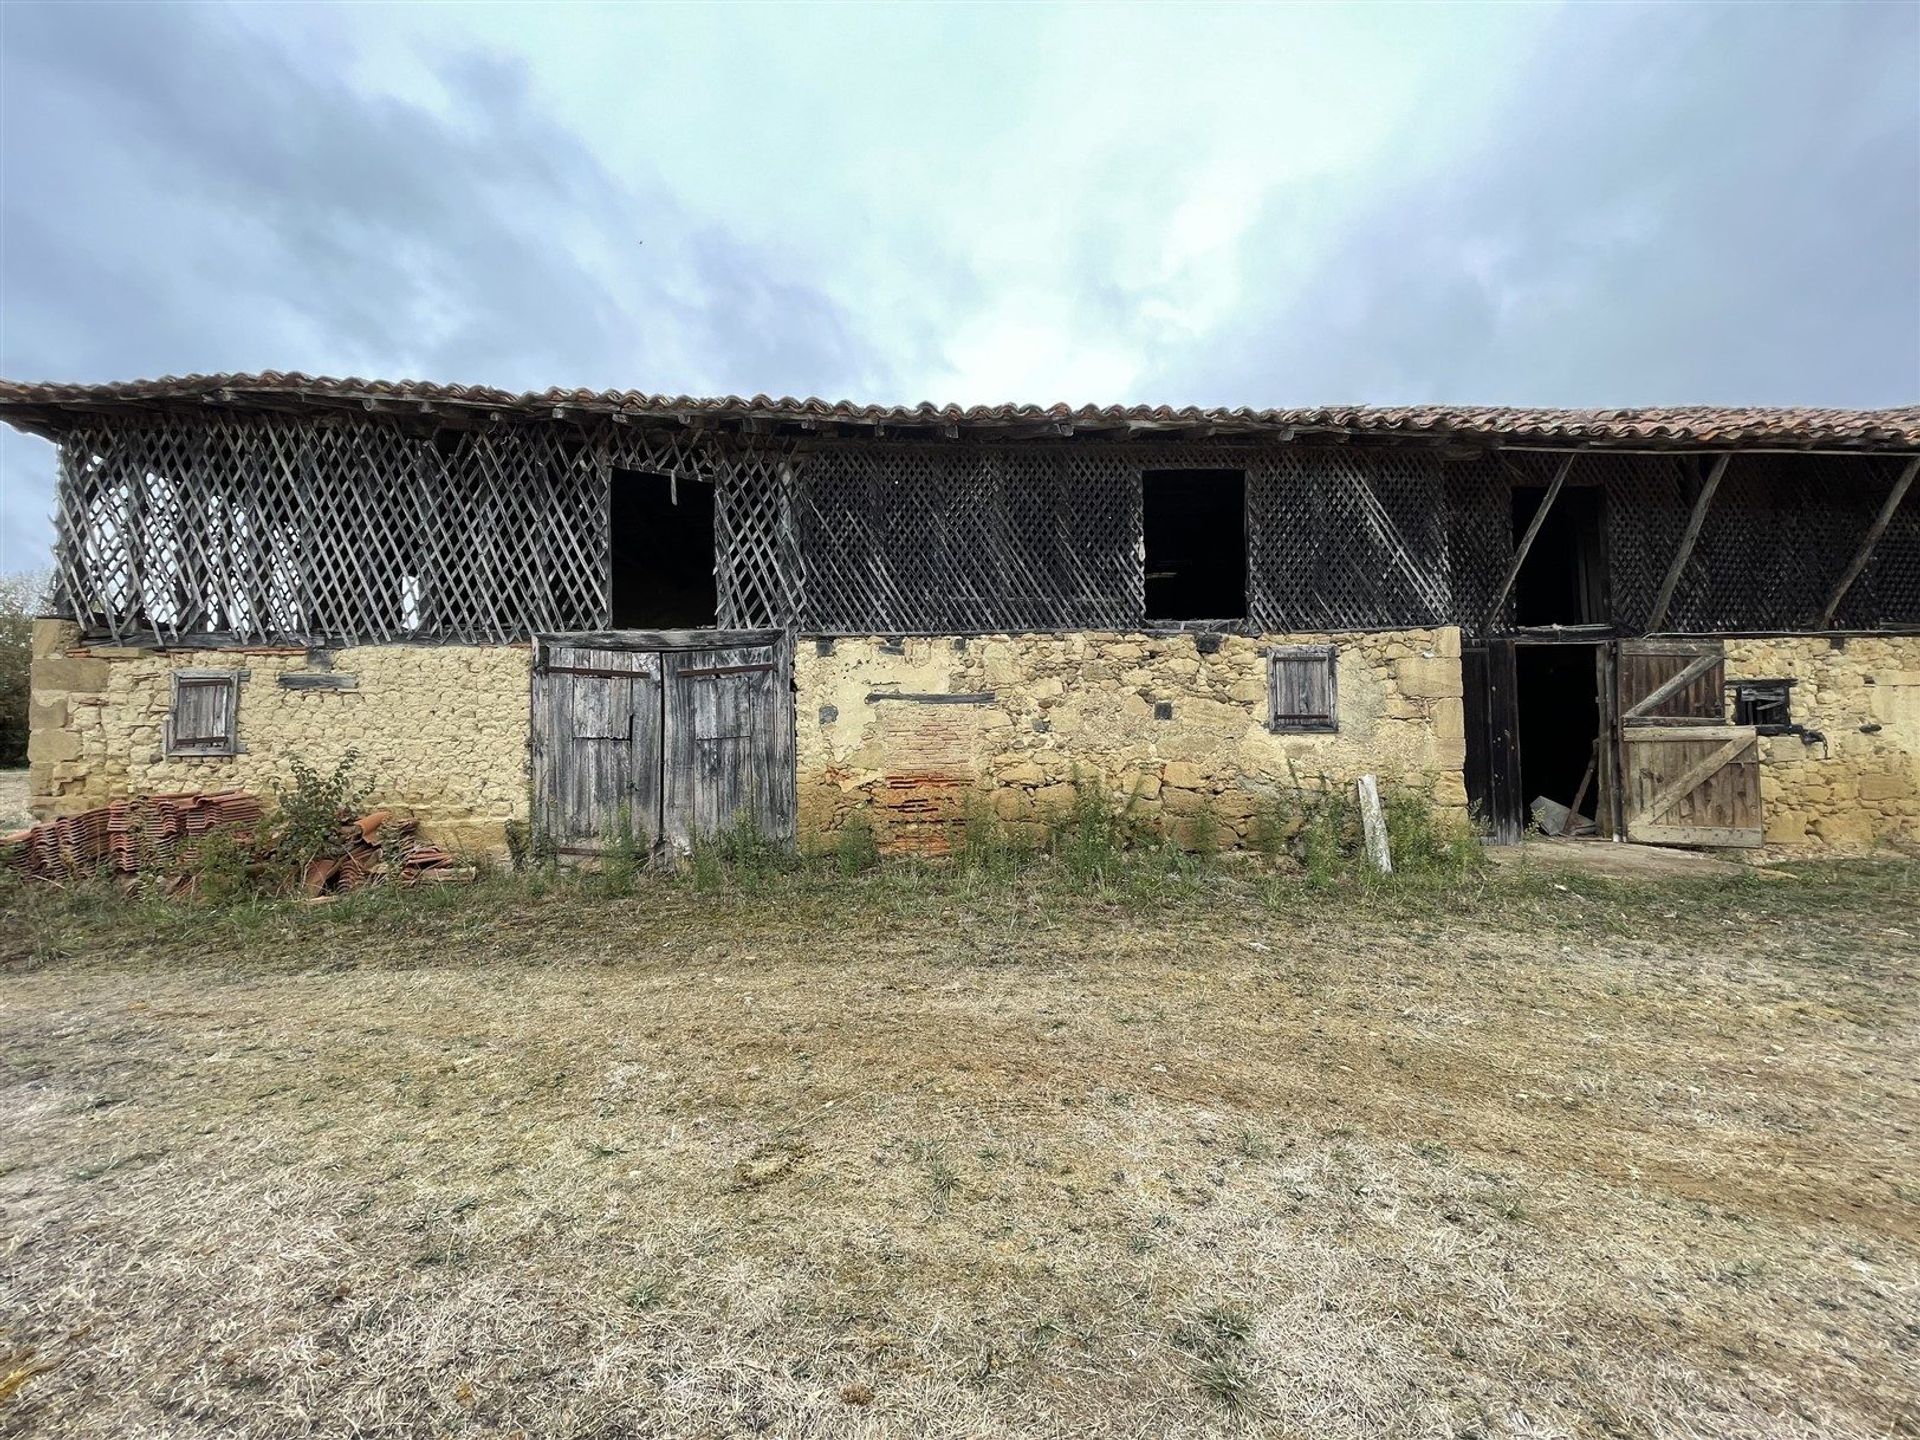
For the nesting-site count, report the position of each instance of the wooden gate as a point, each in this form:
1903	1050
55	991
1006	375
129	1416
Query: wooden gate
669	736
1687	777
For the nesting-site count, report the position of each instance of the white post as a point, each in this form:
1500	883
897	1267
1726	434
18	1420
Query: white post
1373	825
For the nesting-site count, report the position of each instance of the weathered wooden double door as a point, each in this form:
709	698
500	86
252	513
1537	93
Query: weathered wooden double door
661	736
1669	768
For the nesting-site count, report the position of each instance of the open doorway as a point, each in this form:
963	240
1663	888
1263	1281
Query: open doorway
1194	524
1560	730
662	538
1563	581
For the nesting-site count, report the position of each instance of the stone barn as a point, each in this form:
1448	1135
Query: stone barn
581	611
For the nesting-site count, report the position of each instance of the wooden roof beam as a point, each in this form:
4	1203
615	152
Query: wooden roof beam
1526	541
1657	616
1868	543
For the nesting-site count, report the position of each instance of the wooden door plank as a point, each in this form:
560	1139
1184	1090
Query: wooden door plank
1690	779
1673	684
1715	837
1645	733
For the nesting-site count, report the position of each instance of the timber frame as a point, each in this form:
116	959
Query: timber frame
254	510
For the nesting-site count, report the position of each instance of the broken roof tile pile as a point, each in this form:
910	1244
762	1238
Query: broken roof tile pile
164	832
51	407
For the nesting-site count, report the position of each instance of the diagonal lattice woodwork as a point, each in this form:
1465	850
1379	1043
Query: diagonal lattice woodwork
264	529
294	528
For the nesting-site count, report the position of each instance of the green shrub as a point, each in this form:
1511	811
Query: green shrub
313	808
1424	844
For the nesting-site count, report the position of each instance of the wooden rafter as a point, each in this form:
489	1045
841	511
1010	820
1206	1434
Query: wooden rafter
1526	541
1867	544
1657	616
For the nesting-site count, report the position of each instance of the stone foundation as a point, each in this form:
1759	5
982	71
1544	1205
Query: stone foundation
440	729
1174	726
1861	786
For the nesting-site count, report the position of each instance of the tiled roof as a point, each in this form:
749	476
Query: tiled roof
52	407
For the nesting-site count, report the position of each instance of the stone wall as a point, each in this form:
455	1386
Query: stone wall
440	729
1172	730
1860	787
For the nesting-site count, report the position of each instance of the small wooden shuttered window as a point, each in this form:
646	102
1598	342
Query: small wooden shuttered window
1300	689
205	713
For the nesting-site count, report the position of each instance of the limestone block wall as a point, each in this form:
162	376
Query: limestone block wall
1861	786
440	729
1157	719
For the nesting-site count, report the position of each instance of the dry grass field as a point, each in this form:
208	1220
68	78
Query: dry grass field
913	1154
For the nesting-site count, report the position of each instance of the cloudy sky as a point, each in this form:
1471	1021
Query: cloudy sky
1596	204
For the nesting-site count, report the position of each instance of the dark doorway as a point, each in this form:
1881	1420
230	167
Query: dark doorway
1557	688
1196	534
662	553
1563	581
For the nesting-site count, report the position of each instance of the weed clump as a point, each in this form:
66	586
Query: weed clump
854	847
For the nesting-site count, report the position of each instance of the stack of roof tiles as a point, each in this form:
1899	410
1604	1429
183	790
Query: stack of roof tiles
164	832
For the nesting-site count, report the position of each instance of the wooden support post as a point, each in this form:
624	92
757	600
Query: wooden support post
1526	541
1373	825
1657	616
1865	552
1580	795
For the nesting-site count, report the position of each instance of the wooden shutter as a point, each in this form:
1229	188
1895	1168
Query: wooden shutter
203	717
1301	692
1688	777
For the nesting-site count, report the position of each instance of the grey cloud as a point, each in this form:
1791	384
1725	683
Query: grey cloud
1688	204
182	193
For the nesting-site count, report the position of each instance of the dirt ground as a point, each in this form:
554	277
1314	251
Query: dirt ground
1541	1154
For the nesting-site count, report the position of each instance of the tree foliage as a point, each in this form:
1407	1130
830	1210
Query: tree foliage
22	597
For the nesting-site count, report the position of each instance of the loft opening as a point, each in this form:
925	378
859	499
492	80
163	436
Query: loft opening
661	533
1563	579
1195	527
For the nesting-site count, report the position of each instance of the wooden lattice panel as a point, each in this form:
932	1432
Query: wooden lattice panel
260	528
324	528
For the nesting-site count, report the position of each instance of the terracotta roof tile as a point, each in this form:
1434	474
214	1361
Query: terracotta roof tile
1897	428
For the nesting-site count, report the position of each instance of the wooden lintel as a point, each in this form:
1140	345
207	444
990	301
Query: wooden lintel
1526	542
1867	544
1657	616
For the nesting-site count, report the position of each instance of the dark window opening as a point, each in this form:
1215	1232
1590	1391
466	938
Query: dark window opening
662	553
1563	580
1767	705
1196	534
1558	690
